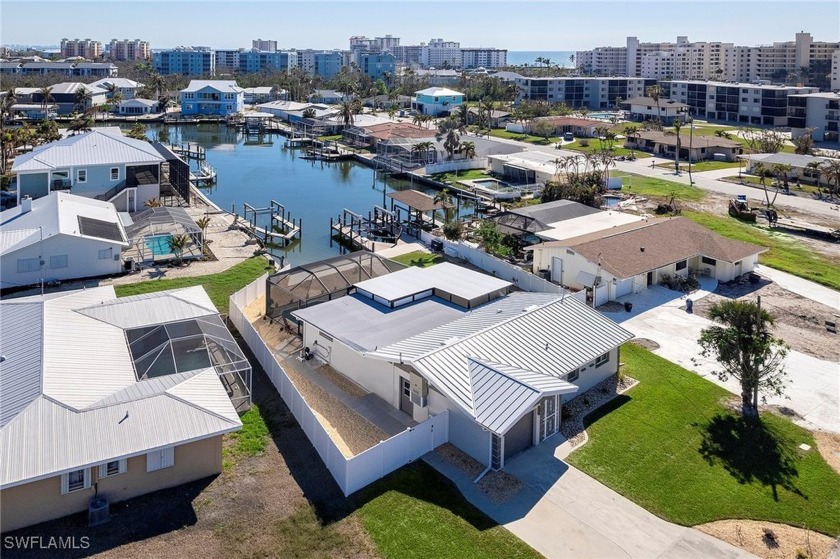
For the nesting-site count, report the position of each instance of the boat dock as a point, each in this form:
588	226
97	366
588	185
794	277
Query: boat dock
189	151
283	229
381	229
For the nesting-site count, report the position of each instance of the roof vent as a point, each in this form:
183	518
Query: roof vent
451	340
642	249
26	205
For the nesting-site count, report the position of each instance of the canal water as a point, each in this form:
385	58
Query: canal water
313	191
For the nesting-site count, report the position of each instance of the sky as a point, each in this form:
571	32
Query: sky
526	25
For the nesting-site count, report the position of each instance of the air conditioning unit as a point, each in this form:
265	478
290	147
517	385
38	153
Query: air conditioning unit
98	511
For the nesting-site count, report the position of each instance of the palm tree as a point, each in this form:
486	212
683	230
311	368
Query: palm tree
203	223
761	172
831	171
81	123
462	113
177	244
631	132
422	150
8	100
308	112
782	171
418	119
677	127
444	199
655	92
82	98
468	149
348	109
46	97
487	106
448	132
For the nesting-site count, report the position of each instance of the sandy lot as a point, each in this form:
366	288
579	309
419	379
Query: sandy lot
750	535
799	321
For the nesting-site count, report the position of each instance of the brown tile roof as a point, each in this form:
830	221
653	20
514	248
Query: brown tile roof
389	130
416	200
699	141
636	248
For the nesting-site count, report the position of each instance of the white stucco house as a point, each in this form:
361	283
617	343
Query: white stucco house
100	163
124	86
448	338
624	259
110	398
59	237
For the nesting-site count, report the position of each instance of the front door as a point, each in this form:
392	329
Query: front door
405	396
548	417
649	279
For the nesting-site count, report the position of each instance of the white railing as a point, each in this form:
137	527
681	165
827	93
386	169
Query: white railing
351	474
457	165
523	279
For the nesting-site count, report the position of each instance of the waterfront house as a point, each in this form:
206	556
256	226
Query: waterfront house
66	97
59	237
436	101
449	339
100	163
617	261
212	98
254	95
124	86
111	398
328	96
134	107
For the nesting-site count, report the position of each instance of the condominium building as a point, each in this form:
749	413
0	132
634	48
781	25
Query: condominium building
258	61
86	48
745	103
578	92
377	66
835	71
188	61
126	49
386	43
483	58
407	54
441	54
264	46
227	59
818	111
603	61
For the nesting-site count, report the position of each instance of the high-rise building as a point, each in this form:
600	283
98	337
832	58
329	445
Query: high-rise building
264	46
188	61
441	54
835	71
577	91
126	49
386	43
86	48
377	65
483	58
407	54
258	61
227	59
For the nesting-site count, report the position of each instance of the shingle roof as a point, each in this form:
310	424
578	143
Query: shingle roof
671	140
416	200
637	248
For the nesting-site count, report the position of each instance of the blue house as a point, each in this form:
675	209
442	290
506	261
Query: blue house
436	101
212	97
375	65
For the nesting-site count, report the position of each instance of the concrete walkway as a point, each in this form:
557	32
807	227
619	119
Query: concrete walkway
562	512
658	314
803	287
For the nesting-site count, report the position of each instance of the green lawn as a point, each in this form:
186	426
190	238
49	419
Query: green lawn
219	286
669	445
596	145
528	138
419	258
250	441
330	138
701	166
754	181
659	188
453	177
416	513
785	253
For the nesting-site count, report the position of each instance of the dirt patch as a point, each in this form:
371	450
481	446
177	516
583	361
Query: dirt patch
612	306
645	343
829	446
341	381
800	322
770	540
498	486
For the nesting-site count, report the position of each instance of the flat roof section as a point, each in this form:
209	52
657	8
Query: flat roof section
587	224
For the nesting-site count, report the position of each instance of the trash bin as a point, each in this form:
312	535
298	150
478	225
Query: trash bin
628	306
437	245
689	306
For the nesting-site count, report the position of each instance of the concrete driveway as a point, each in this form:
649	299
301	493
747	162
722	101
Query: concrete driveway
659	315
562	512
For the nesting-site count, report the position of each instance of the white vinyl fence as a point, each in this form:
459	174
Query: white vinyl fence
354	473
523	279
457	165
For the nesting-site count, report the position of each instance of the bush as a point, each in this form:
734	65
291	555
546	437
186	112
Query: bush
583	142
453	231
686	284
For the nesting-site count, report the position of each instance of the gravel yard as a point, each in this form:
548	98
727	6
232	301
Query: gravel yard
789	543
499	486
800	322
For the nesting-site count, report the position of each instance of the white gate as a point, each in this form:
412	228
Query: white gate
557	270
602	294
623	287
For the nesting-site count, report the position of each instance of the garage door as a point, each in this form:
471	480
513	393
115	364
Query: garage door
623	287
520	436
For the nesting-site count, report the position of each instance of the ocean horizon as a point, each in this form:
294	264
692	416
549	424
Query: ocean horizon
522	57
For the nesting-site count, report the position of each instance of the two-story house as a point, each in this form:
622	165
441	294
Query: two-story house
72	97
124	86
436	101
101	164
212	97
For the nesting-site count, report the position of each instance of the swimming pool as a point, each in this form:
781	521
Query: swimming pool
605	116
490	184
611	201
158	245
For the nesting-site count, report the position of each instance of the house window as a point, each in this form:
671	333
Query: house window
573	376
113	468
59	261
105	253
25	265
160	459
81	175
709	261
75	481
115	173
602	359
682	265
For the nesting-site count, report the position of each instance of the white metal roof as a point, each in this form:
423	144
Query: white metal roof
153	308
72	87
56	214
551	340
121	83
502	394
453	279
586	224
95	147
138	102
471	322
225	86
69	394
438	92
